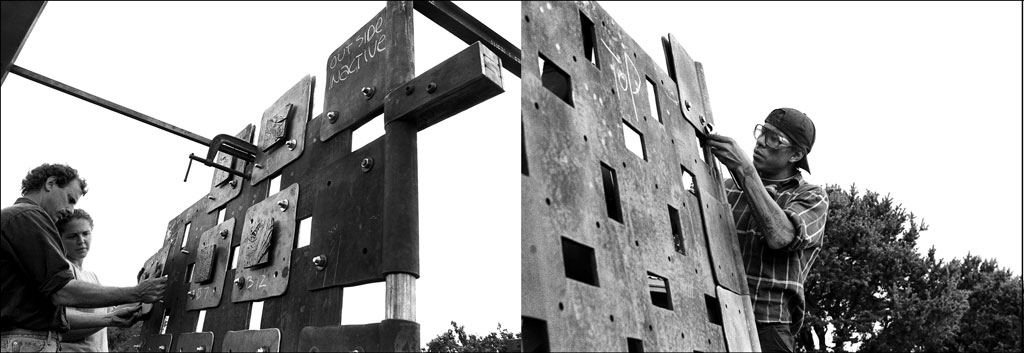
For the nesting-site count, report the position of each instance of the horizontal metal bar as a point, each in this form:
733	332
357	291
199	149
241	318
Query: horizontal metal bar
470	30
117	108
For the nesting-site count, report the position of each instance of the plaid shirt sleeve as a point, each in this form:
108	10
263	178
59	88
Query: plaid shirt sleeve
808	211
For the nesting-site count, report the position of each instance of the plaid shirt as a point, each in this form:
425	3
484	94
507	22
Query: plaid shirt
776	277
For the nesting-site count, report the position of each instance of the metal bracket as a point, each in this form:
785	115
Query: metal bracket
265	340
211	267
271	278
195	342
354	70
285	120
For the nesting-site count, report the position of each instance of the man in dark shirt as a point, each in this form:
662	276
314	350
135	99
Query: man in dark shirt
36	281
780	220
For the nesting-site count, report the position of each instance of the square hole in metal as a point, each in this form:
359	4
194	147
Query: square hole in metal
535	335
689	181
368	132
634	140
522	139
184	238
163	322
661	293
652	99
304	231
611	192
555	79
579	261
363	304
188	272
201	321
677	230
714	311
700	147
220	215
256	315
589	40
634	345
234	257
275	185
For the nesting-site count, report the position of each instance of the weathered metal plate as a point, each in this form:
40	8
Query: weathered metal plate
270	280
195	342
347	224
734	320
265	340
357	64
207	293
227	187
724	246
682	70
573	140
269	162
204	263
460	82
156	343
274	126
386	336
256	241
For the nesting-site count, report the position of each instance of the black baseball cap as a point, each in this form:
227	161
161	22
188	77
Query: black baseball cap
797	127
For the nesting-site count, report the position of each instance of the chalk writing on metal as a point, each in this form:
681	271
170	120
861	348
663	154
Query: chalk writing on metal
350	56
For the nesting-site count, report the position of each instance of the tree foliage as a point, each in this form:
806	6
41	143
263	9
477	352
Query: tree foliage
124	339
457	340
870	287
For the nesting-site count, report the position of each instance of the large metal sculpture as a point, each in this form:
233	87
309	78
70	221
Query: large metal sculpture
236	251
627	240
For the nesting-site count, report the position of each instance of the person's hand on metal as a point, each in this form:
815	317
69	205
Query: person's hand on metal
729	153
124	317
151	290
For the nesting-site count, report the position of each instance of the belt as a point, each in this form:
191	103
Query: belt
47	334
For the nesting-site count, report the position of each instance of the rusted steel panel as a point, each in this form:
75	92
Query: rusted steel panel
265	340
598	215
211	267
194	342
737	334
283	130
268	232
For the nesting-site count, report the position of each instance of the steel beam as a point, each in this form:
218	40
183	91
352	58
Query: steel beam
470	30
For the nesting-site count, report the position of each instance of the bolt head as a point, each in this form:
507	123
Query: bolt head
183	251
366	164
320	261
162	348
409	90
223	233
332	117
368	92
261	349
291	144
240	282
200	348
233	183
191	294
258	166
431	87
283	205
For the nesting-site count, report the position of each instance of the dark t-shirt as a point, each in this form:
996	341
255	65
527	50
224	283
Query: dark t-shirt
32	269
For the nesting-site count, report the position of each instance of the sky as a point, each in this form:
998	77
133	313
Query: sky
212	68
918	101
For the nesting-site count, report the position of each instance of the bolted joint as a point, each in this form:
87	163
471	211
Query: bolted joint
409	90
183	251
366	164
223	233
291	144
368	92
162	348
233	183
258	166
320	261
200	348
332	117
191	294
283	205
431	87
240	282
262	349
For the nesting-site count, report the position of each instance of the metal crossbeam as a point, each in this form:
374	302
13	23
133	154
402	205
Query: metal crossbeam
470	30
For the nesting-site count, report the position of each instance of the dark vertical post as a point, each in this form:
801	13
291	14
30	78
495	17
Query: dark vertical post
401	189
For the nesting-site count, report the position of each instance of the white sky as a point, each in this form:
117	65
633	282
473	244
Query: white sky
211	68
921	101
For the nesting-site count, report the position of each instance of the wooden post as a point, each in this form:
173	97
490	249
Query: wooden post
400	299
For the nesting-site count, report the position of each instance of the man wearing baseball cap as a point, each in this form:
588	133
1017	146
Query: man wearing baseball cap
780	220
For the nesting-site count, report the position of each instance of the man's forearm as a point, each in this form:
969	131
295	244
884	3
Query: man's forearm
84	324
81	294
778	229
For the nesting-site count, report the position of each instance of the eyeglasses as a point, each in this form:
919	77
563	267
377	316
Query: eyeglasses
770	137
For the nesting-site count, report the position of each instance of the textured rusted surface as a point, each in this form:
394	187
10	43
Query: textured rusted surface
269	340
194	342
213	263
296	107
268	229
576	113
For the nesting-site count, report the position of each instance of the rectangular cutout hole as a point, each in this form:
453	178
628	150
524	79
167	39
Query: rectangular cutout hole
363	304
188	272
677	230
635	345
714	311
652	99
579	262
275	185
522	139
611	192
256	315
220	215
184	238
589	40
700	147
305	225
163	322
201	321
234	257
634	140
555	79
368	132
535	335
689	181
661	293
